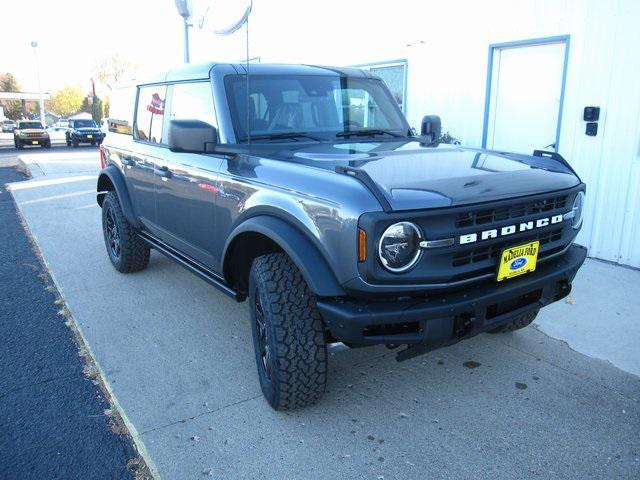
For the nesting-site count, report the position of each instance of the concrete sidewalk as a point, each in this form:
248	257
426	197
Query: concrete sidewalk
178	357
601	318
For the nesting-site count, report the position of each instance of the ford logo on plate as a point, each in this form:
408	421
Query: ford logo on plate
518	263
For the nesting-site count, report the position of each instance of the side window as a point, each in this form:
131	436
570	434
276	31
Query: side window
150	113
192	101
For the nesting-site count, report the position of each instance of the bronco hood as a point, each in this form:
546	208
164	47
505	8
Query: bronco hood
410	176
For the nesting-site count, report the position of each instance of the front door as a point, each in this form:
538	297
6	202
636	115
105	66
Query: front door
525	95
186	183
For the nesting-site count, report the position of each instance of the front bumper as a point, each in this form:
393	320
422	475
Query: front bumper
84	138
441	319
29	140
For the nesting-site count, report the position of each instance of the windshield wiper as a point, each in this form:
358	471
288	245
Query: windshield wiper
283	136
372	132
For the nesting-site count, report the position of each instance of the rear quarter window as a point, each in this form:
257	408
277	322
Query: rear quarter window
121	110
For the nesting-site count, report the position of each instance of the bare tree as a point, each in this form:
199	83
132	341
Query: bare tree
114	69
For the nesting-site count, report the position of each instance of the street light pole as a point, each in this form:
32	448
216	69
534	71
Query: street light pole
43	119
186	40
185	11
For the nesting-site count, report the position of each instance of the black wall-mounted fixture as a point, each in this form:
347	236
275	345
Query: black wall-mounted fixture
591	114
592	129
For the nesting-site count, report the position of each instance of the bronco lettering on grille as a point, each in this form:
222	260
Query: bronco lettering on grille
510	229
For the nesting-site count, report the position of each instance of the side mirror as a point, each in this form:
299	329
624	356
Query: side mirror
431	127
191	136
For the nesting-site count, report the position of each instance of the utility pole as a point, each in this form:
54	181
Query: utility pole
43	119
93	100
185	11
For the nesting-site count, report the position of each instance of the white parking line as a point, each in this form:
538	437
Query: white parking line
48	182
91	205
57	197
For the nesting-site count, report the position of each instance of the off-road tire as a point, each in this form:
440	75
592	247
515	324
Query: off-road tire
516	323
133	252
297	372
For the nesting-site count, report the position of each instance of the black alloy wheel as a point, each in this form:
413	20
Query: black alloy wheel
113	233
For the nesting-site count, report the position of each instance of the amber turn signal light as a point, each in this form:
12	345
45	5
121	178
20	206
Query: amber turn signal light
362	245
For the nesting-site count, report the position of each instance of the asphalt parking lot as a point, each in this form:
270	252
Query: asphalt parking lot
178	357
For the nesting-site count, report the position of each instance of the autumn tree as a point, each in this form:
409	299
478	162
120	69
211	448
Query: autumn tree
67	100
12	108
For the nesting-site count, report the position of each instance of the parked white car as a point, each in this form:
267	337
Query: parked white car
57	134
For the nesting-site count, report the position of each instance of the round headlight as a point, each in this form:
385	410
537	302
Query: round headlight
399	247
578	210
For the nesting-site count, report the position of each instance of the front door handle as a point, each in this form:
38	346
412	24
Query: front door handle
163	172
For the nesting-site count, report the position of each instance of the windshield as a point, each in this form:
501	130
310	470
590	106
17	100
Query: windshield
84	124
30	125
314	107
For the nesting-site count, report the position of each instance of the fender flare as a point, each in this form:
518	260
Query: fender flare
112	175
310	261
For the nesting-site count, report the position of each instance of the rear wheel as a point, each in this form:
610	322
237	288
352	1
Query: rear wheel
127	252
288	334
516	323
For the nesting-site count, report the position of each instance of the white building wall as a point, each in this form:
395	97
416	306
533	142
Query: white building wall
446	47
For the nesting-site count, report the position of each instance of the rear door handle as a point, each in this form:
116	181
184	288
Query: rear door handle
163	172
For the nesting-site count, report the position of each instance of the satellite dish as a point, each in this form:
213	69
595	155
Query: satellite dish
223	17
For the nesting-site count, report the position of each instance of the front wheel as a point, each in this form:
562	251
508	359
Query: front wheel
288	334
127	252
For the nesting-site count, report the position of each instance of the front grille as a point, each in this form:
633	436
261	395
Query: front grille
33	134
493	251
517	210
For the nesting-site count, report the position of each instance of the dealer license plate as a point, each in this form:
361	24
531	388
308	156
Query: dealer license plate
34	142
89	136
519	260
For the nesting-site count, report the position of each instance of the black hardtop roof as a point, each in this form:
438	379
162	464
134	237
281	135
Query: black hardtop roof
203	71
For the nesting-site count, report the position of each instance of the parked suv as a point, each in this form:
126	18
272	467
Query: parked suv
83	131
30	132
306	192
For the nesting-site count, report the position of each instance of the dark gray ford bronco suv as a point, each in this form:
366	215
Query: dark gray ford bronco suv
304	190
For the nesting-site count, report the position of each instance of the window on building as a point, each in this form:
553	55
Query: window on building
150	113
192	101
394	75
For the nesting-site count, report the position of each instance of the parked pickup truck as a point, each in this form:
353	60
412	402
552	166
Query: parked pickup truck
306	192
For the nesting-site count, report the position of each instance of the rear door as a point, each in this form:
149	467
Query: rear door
149	146
186	183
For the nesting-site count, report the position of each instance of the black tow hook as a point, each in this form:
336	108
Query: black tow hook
463	324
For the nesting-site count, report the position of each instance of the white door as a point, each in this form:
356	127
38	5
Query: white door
525	95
